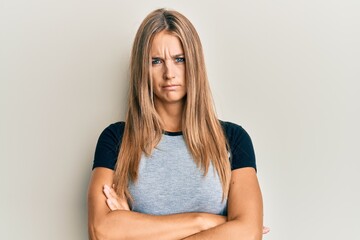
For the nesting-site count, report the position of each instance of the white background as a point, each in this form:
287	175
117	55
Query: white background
287	71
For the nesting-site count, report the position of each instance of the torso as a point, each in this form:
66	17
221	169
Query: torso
170	182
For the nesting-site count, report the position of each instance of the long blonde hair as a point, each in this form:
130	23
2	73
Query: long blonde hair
202	130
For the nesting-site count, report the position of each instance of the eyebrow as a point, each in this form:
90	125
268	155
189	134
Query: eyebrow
174	56
178	55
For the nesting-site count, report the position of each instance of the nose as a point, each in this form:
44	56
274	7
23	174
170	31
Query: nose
169	71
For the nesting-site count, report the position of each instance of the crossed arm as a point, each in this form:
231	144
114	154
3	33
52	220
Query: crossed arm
109	217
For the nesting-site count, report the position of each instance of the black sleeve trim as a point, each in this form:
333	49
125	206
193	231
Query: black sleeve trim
108	145
241	150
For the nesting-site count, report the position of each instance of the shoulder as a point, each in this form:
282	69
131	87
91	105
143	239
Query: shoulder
108	145
114	130
232	129
241	150
234	133
113	133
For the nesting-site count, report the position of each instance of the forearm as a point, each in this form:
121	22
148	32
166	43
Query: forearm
234	229
109	217
132	225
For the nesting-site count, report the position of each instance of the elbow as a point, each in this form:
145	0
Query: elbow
101	230
255	234
97	232
248	231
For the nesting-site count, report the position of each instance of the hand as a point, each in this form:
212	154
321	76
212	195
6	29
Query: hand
113	201
266	230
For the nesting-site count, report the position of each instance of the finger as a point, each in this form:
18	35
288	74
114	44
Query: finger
116	203
107	192
266	230
106	186
113	193
119	203
113	197
124	204
111	205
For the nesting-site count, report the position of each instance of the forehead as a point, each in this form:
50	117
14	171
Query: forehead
166	43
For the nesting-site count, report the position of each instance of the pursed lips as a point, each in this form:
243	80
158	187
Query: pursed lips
170	87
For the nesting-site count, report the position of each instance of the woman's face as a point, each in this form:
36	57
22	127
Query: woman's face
167	69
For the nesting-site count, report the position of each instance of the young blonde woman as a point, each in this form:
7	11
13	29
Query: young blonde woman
173	170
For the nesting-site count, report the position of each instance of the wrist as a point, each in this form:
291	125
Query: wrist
204	221
208	220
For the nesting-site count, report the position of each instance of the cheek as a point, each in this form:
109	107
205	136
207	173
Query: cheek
180	71
156	77
182	74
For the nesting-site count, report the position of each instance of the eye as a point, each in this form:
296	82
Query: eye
156	61
180	59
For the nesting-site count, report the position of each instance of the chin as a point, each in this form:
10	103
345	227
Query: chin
171	100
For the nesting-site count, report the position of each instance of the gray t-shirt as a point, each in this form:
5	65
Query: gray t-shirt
169	181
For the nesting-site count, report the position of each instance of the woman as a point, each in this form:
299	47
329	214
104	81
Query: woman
175	170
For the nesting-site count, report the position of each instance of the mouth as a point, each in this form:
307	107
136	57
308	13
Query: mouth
171	87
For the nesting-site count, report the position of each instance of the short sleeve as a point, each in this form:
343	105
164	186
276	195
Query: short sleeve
241	150
108	145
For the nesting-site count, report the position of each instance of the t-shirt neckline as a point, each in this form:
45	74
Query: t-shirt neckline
172	133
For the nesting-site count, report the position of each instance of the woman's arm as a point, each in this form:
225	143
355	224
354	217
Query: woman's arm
123	224
245	210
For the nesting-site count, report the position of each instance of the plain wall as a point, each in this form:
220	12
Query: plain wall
287	71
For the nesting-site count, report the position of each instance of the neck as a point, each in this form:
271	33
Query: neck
171	115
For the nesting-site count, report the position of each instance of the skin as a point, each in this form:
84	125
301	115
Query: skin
168	79
120	223
110	217
115	203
